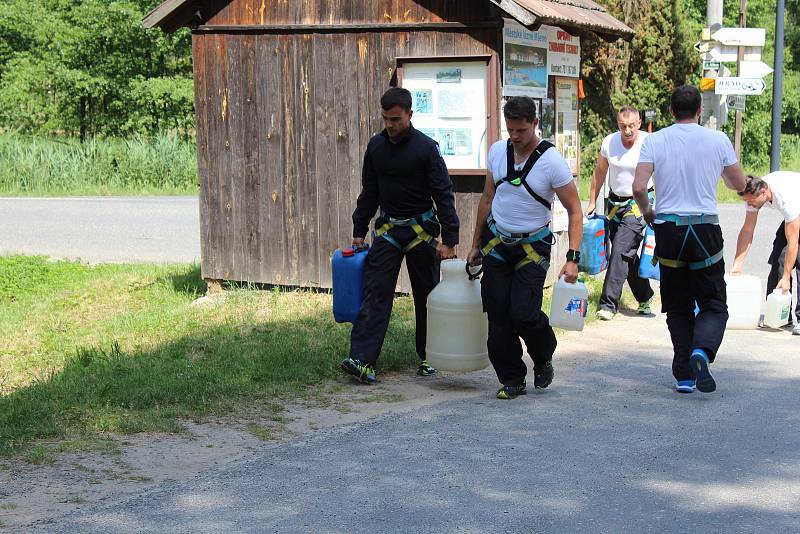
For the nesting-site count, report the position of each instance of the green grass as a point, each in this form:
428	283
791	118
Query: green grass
37	166
118	348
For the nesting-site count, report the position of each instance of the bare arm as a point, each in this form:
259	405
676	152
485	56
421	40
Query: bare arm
484	208
568	195
599	176
734	177
792	230
643	173
744	241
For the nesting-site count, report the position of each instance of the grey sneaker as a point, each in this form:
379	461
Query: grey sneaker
605	315
796	329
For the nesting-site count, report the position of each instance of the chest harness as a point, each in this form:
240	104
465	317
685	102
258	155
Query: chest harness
415	223
688	221
516	178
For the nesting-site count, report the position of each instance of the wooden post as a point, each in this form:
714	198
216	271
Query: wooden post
737	135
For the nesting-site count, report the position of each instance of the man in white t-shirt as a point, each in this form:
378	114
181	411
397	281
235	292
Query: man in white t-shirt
781	191
619	155
513	238
688	160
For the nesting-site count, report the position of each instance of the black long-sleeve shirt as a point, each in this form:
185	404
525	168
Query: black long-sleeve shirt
405	179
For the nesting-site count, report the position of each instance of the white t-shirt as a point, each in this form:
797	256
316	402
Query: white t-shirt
689	160
785	186
513	208
622	162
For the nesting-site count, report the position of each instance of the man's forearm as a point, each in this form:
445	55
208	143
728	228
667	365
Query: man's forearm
790	259
484	206
743	243
575	230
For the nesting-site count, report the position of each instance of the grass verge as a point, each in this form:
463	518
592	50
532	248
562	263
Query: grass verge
119	348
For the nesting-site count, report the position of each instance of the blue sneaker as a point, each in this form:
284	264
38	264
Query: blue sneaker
699	363
684	386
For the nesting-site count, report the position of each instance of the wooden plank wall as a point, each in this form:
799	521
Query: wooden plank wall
283	120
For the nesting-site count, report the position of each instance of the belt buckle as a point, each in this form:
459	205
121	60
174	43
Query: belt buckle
509	240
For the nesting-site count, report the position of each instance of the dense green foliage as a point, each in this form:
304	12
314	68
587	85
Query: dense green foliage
87	68
661	56
36	166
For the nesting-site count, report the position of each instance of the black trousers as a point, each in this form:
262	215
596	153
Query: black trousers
512	300
381	270
681	288
776	260
623	264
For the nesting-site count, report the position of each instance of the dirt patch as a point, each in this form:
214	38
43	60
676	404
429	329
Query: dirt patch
117	467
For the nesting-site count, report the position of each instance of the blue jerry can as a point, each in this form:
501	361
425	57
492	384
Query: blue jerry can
593	246
646	267
348	283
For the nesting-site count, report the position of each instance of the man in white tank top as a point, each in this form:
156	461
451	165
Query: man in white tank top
619	155
688	160
513	239
781	191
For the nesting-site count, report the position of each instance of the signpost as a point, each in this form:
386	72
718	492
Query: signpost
739	86
753	69
729	54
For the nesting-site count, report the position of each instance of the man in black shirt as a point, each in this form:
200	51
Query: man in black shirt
403	174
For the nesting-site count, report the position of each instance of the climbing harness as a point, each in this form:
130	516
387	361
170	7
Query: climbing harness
619	203
689	221
517	177
524	240
414	222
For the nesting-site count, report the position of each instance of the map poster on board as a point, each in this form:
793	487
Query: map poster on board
524	61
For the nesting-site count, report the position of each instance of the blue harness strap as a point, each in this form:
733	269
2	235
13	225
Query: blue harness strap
524	240
689	221
414	222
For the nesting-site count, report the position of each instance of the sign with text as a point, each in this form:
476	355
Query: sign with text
740	36
730	54
754	69
525	60
736	102
739	86
563	53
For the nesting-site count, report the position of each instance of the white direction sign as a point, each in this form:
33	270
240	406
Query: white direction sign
741	36
753	69
739	86
729	54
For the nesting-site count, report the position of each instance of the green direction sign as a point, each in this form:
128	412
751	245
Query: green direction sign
711	65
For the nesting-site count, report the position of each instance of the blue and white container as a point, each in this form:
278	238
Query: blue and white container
348	283
593	246
569	305
646	267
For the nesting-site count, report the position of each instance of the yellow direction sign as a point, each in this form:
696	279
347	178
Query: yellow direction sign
707	84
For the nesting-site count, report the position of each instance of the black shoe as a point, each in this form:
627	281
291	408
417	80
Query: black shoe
425	369
512	392
363	371
543	375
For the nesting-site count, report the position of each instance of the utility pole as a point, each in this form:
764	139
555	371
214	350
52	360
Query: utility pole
737	135
777	89
710	100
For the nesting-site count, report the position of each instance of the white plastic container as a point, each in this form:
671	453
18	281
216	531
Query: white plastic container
457	325
744	301
569	305
779	307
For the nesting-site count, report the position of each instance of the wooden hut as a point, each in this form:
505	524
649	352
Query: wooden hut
287	97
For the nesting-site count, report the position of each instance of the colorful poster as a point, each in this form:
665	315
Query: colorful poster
524	61
455	141
423	101
548	120
563	53
567	121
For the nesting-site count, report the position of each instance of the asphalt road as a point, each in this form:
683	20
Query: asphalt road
97	230
610	447
166	229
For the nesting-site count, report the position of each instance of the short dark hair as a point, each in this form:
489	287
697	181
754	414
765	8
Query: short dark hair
628	110
753	186
396	96
685	101
520	107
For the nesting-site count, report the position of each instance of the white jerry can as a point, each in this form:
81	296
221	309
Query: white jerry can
744	301
457	326
569	305
779	308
